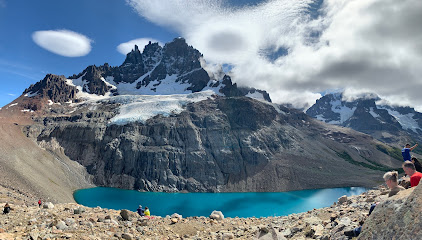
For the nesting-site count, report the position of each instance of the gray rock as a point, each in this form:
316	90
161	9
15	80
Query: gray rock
125	214
61	225
79	210
217	215
342	199
70	221
48	205
127	236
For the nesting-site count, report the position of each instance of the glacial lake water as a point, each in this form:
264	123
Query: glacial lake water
250	204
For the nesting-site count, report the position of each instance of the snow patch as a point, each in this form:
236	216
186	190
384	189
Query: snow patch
256	95
345	112
11	105
31	94
374	114
27	110
406	120
143	107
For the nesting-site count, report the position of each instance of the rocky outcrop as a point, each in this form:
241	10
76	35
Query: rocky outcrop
398	217
53	87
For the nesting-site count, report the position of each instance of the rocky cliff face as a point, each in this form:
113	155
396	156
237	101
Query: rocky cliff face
220	144
386	123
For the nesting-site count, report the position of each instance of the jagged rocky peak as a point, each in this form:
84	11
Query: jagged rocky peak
152	55
175	68
179	57
133	57
53	87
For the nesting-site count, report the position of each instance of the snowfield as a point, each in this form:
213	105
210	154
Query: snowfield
140	108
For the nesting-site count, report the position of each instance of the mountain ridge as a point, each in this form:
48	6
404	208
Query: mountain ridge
391	124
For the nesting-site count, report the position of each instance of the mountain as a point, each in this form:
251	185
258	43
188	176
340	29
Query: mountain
162	122
390	124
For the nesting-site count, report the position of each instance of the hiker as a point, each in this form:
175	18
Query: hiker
39	203
390	179
410	170
146	212
140	211
417	164
405	152
7	209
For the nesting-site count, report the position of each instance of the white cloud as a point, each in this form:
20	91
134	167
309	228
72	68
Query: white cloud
11	94
361	46
63	42
125	48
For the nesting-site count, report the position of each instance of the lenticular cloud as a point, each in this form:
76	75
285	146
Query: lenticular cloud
63	42
125	48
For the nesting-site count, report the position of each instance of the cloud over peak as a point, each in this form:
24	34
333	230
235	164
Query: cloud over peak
63	42
302	47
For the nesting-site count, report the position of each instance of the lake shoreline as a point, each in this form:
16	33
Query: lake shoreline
100	223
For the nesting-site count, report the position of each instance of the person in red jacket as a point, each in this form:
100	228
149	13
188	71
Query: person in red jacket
39	203
410	170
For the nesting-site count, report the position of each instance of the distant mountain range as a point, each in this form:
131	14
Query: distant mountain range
390	124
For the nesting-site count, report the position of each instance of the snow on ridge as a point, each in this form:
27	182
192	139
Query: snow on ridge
31	94
256	95
140	108
374	114
79	84
406	120
345	112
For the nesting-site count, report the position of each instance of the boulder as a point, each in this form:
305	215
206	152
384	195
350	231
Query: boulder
78	210
48	205
127	236
342	199
217	215
127	215
398	217
176	215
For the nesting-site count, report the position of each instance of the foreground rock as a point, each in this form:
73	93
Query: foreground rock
28	221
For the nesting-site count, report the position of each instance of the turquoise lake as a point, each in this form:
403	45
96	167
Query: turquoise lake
249	204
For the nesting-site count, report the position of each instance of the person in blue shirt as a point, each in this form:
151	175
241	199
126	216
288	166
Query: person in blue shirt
405	152
140	211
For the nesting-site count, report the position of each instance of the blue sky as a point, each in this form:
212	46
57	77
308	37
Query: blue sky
294	49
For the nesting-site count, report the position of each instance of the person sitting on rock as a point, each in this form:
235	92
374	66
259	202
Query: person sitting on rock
410	170
390	179
418	165
7	209
140	211
146	212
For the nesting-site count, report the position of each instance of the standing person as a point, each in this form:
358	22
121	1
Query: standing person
140	211
410	170
405	152
39	203
417	164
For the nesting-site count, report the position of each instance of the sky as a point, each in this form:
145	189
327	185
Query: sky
294	49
